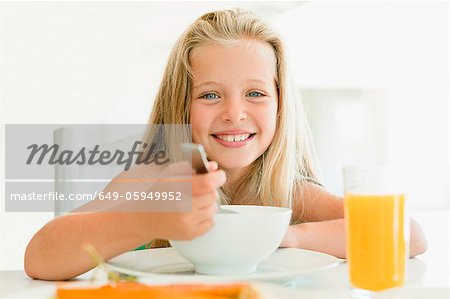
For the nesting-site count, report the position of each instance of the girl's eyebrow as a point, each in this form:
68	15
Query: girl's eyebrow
206	83
257	81
216	83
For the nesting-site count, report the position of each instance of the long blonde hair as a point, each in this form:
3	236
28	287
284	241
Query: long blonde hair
275	177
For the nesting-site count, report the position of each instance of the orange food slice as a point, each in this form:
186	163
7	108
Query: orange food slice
134	290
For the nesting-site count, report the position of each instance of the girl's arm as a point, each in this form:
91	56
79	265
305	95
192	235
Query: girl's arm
56	252
329	237
324	227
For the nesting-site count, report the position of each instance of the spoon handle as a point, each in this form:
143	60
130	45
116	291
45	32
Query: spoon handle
195	154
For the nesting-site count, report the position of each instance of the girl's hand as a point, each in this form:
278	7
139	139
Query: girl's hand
199	201
190	224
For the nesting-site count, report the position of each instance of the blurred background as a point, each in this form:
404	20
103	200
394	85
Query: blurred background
374	80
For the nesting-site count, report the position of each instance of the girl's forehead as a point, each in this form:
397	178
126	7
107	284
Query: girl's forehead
248	55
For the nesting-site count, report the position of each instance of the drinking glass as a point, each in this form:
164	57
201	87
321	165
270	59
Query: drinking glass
377	231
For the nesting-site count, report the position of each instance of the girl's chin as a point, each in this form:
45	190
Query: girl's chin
230	160
232	165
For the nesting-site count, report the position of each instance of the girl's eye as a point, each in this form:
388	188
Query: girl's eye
254	94
209	96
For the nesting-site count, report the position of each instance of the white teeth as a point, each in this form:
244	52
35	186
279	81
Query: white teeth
233	138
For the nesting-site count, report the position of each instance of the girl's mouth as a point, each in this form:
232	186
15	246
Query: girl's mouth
231	141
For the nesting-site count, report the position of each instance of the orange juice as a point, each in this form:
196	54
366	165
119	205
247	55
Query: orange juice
376	244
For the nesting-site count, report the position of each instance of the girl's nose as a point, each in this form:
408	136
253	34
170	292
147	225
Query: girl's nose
234	111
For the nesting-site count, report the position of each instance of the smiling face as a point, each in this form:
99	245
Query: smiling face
234	101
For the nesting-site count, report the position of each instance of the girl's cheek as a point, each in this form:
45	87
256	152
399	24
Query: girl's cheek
194	117
200	126
268	116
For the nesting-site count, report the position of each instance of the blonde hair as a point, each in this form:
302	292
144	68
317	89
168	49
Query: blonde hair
275	177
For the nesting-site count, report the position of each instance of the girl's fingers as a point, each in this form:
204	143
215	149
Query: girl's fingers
204	200
208	182
212	165
206	213
204	226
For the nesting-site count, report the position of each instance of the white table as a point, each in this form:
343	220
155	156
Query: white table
427	273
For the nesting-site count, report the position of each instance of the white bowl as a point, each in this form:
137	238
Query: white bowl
237	243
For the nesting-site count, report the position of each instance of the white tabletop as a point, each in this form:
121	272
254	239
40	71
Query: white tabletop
426	274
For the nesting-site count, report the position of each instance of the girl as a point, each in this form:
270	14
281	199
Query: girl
226	76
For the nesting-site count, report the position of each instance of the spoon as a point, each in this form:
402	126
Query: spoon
195	154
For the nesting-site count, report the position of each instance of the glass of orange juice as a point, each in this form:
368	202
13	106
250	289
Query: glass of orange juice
377	230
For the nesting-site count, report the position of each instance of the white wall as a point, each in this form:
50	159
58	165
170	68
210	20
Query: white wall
71	63
340	49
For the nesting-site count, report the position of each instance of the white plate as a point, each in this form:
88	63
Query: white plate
166	265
